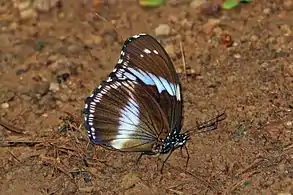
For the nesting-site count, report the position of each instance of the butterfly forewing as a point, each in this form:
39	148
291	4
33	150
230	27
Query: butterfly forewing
121	114
145	60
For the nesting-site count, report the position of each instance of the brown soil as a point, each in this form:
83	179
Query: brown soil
49	64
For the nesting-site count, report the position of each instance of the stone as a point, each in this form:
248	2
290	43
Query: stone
54	87
163	30
45	5
196	3
5	105
28	13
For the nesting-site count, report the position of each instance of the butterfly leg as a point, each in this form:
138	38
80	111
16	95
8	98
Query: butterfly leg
138	159
188	157
142	154
187	153
169	154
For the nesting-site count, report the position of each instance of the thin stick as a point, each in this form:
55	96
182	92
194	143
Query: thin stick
176	191
11	128
183	59
15	143
14	156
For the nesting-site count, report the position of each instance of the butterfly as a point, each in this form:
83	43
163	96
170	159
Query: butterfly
139	107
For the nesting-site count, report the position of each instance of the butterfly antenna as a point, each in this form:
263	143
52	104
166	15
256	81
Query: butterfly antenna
211	124
107	21
208	125
183	59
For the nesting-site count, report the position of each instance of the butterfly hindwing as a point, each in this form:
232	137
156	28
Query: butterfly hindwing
121	114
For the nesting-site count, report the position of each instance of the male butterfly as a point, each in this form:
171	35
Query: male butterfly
139	107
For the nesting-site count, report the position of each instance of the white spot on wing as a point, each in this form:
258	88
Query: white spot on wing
178	93
109	79
155	51
136	36
120	61
141	55
147	51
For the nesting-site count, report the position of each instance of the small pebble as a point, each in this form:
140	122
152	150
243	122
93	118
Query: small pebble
23	5
235	44
163	30
13	26
254	38
196	3
285	28
93	39
54	87
5	105
289	123
288	4
45	5
73	48
267	11
45	115
237	56
64	97
28	13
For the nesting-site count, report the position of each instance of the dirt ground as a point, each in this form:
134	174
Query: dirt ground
51	60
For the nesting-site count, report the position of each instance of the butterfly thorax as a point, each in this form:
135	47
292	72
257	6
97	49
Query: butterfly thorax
171	142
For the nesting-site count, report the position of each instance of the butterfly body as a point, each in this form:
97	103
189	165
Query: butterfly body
139	107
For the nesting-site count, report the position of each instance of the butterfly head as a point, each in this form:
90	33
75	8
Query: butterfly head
171	142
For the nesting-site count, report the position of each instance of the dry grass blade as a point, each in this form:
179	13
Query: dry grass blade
183	59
